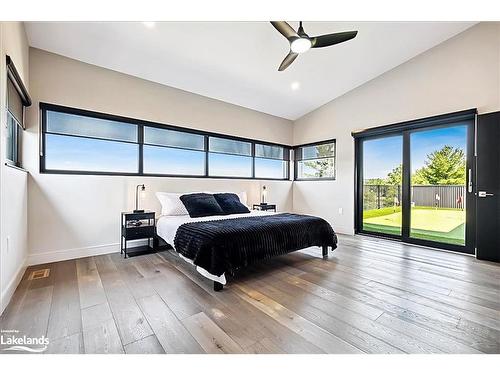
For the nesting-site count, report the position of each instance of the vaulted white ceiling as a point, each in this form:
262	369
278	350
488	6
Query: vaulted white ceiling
237	62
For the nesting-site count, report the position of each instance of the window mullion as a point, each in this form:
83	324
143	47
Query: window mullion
140	140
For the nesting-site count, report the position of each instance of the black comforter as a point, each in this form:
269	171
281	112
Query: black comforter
226	245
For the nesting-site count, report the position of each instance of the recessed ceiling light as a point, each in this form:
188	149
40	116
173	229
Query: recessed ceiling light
295	86
149	24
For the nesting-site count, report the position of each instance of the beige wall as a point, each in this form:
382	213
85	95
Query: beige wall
461	73
13	183
73	216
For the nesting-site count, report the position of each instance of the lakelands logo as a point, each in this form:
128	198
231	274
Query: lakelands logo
24	343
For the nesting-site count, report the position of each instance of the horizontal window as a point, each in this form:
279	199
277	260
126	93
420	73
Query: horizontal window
67	153
81	141
319	168
229	146
318	151
224	165
271	168
270	152
84	126
172	138
173	161
315	161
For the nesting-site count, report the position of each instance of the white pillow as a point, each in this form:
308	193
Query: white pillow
243	197
171	204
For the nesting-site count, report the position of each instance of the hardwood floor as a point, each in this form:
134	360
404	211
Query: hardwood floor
369	296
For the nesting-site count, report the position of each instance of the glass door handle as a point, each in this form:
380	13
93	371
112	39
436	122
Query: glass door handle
469	187
483	194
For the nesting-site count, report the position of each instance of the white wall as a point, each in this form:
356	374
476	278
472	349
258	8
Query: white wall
71	216
13	182
461	73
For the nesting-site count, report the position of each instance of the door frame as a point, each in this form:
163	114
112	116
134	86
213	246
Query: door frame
405	129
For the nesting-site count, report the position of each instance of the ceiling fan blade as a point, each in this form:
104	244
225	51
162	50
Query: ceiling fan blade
331	39
287	60
285	29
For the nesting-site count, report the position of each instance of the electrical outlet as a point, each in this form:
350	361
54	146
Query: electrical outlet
341	211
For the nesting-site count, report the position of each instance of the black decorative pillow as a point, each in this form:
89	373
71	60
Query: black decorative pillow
201	204
230	203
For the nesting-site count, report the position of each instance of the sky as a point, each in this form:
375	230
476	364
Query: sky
382	155
82	154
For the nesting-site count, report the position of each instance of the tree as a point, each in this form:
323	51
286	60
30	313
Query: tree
418	177
322	167
395	176
444	167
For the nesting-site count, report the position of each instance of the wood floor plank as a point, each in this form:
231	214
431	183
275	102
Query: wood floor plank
13	309
131	323
448	300
493	323
311	332
95	315
147	345
89	283
264	346
447	345
65	319
369	295
363	333
346	303
171	333
173	294
67	345
33	317
102	339
215	309
259	322
210	337
393	307
138	285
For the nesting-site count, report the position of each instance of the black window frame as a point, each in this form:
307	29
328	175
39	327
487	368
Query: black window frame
141	124
14	77
312	144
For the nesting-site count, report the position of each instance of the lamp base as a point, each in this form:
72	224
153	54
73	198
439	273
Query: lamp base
138	211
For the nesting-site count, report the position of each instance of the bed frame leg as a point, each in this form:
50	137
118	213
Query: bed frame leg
325	251
218	286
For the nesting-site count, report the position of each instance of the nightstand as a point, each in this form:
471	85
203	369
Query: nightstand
264	207
130	230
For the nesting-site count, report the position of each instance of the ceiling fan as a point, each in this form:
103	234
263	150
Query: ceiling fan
300	42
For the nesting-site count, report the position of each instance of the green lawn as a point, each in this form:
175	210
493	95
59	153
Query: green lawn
442	225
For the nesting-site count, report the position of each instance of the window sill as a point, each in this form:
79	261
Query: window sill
16	167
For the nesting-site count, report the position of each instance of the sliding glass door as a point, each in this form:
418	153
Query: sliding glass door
381	189
414	183
438	183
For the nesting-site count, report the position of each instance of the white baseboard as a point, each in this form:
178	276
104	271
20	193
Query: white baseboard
82	252
343	230
59	255
11	287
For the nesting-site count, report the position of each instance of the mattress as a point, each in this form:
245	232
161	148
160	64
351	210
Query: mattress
166	228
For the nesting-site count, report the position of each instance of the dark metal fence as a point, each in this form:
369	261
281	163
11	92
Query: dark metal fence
443	196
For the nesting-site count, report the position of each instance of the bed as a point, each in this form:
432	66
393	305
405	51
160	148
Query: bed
219	245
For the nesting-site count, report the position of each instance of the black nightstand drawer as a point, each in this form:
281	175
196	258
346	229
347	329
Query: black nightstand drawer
264	207
139	216
132	233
